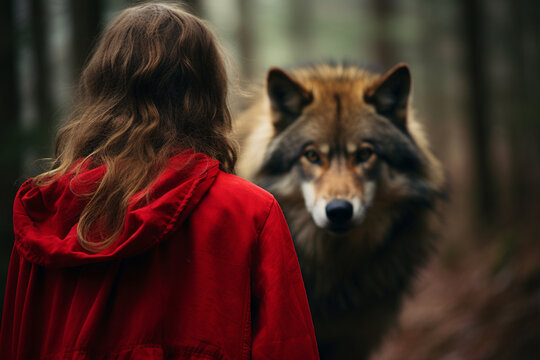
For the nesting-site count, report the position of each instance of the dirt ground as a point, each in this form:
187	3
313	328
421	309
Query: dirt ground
473	302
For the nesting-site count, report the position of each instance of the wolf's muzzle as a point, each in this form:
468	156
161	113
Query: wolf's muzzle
339	212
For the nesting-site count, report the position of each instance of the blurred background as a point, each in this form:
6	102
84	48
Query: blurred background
475	67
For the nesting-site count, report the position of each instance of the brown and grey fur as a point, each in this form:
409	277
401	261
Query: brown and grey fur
357	273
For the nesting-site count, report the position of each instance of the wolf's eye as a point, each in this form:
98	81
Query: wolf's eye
364	154
312	156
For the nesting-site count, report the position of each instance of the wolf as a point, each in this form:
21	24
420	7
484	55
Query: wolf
340	149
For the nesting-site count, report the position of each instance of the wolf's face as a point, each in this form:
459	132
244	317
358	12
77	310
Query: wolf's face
345	141
338	184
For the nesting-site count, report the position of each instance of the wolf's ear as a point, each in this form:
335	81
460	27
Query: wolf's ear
390	95
287	97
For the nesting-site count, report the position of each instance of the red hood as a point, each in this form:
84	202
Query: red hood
45	218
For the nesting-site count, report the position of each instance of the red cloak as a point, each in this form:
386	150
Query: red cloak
205	270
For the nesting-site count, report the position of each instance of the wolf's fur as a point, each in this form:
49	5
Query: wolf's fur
305	141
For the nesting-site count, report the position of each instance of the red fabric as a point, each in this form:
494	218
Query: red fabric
205	270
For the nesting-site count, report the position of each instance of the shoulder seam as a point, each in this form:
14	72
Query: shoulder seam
259	231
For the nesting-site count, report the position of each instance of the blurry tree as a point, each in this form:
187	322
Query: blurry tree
246	38
476	72
86	21
301	26
384	49
434	82
39	30
523	42
502	55
10	134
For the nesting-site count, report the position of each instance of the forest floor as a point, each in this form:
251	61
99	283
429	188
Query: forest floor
477	299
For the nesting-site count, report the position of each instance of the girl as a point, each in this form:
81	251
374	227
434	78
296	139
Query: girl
139	243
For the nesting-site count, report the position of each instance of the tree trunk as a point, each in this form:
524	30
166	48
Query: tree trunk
86	19
384	48
475	63
245	36
300	27
10	135
41	70
522	126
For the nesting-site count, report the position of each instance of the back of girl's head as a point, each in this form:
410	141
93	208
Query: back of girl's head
155	84
156	77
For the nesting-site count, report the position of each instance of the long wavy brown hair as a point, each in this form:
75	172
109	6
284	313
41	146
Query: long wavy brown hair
156	84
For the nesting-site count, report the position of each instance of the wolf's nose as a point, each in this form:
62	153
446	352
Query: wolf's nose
339	211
